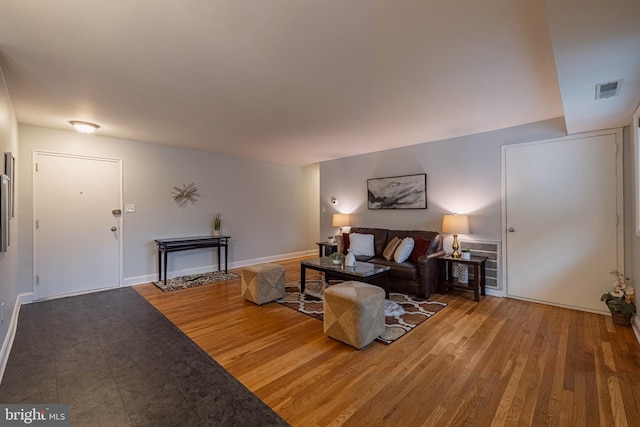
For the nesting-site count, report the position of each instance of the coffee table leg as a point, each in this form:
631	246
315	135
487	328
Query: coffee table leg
303	272
386	286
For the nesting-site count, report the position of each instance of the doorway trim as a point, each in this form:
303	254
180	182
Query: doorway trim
619	195
34	156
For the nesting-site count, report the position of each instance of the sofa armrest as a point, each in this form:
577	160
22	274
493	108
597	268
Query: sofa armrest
428	273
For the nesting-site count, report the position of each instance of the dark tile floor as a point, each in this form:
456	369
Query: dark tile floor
118	362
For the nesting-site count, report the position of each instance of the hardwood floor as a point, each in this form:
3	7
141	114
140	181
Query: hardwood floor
497	362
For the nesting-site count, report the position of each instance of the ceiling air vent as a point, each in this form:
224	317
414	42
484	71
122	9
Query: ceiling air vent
607	90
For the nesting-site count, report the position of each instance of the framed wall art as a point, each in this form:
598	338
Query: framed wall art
4	212
9	170
398	192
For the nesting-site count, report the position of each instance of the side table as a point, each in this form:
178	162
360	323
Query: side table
447	281
326	248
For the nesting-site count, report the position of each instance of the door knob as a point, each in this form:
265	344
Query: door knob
511	229
113	228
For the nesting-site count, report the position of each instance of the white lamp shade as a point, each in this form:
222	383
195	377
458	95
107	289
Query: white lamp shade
455	224
341	220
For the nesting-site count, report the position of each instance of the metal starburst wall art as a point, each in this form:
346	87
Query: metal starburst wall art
188	193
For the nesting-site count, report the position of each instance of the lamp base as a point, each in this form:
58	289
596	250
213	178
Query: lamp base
455	247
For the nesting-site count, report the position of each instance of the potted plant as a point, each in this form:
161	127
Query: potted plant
337	257
620	301
466	254
217	223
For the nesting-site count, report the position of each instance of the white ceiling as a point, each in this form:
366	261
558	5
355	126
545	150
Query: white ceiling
302	81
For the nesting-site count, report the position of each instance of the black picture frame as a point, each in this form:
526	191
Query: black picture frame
4	212
397	192
9	170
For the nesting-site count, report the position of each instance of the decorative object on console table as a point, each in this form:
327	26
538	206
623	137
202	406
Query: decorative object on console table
620	301
217	224
465	254
455	224
341	220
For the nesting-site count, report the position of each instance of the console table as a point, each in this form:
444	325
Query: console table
186	243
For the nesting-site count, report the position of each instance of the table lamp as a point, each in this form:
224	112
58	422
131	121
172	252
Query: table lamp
341	220
455	224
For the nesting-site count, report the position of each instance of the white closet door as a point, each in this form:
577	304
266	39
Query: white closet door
564	235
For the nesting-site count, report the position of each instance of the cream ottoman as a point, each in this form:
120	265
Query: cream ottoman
354	313
263	283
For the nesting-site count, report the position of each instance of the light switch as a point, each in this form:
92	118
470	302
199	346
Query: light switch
129	208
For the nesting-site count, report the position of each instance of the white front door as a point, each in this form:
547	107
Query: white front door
76	234
563	219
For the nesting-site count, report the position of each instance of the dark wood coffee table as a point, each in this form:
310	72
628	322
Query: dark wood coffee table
362	272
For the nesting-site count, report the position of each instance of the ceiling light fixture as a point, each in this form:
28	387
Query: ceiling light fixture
84	127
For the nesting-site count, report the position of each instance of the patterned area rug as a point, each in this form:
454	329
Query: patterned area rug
192	280
415	310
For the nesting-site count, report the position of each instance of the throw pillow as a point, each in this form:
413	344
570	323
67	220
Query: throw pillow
391	248
420	248
404	250
345	242
361	244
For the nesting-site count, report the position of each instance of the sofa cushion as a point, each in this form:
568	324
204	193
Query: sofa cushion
403	252
391	249
420	248
379	237
402	270
434	236
361	244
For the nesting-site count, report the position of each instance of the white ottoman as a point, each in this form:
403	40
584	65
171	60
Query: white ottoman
354	313
263	283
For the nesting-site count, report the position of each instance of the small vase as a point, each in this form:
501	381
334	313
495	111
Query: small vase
216	232
463	274
350	259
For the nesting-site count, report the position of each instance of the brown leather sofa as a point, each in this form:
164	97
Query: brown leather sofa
407	277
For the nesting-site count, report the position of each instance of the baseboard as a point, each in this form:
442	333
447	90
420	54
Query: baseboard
24	298
635	324
137	280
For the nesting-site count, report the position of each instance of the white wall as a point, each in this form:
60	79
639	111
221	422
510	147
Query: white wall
9	287
463	176
265	206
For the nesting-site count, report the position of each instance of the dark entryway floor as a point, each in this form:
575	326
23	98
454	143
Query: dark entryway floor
117	362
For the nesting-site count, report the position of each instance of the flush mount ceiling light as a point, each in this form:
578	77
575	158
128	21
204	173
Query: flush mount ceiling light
84	127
